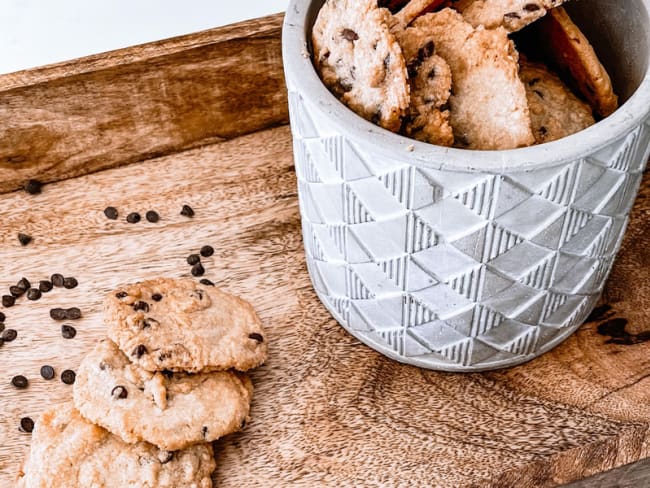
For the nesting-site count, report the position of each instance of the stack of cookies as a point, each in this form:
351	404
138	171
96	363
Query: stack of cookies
447	72
150	398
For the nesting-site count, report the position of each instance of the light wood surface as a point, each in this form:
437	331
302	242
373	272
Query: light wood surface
328	411
132	104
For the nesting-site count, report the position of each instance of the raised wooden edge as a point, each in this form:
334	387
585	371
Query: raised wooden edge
128	105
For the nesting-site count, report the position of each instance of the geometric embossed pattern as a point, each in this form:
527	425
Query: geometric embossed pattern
459	271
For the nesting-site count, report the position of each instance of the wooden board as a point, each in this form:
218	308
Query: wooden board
132	104
328	411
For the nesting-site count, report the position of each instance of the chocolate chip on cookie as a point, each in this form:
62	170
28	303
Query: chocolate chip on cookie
140	305
256	337
139	351
156	297
119	392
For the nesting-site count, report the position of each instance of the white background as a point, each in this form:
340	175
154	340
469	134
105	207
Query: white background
38	32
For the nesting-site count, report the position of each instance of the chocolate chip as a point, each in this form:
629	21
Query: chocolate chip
256	337
426	51
70	283
187	211
376	118
33	294
167	374
68	376
149	322
534	81
45	286
24	238
58	314
152	216
57	279
531	7
20	382
9	335
16	291
33	187
445	107
47	372
111	213
119	392
165	456
24	284
156	297
206	282
2	317
193	259
8	301
133	218
543	130
26	425
207	251
73	313
68	331
204	431
144	306
539	94
139	351
198	270
349	35
413	67
121	294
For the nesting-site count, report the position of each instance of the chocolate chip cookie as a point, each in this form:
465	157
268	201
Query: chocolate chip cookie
489	109
555	111
170	410
68	451
360	61
181	325
513	15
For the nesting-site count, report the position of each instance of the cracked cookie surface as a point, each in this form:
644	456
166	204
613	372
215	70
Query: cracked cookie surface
68	451
169	410
181	325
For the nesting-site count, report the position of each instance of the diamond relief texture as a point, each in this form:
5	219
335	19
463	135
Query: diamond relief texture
452	270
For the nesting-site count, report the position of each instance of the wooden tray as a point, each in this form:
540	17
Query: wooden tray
202	120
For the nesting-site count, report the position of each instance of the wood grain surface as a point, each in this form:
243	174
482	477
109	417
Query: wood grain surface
328	411
132	104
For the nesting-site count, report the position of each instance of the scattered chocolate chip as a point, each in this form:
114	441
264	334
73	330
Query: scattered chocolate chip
144	306
47	372
33	294
9	335
156	297
152	216
73	313
256	337
198	294
24	238
149	322
204	431
207	251
57	279
111	213
543	130
45	286
119	392
539	94
139	351
531	7
16	291
58	314
426	51
198	270
121	294
26	425
193	259
167	374
33	187
511	15
2	317
187	211
68	376
8	301
349	35
68	331
206	282
133	218
20	382
165	456
24	284
70	283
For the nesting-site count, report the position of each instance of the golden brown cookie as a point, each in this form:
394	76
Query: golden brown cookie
489	109
555	111
360	61
571	51
513	15
181	325
67	451
170	410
